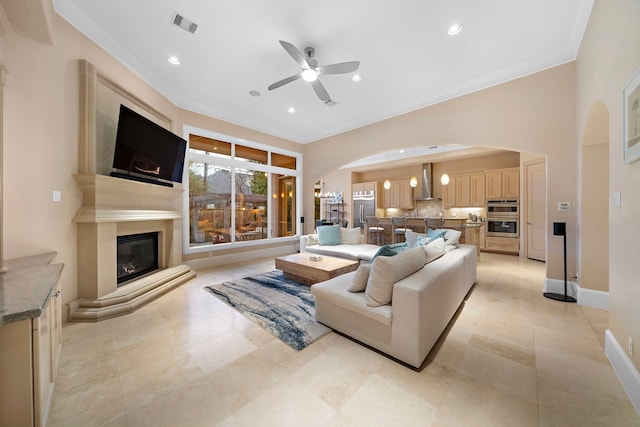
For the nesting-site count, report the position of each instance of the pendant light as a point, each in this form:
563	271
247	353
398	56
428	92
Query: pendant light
413	182
387	183
444	179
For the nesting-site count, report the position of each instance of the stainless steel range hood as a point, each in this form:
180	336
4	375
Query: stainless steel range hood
427	183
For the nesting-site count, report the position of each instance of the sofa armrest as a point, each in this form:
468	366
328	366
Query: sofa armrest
424	303
303	243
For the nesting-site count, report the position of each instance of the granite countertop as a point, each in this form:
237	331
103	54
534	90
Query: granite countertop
26	287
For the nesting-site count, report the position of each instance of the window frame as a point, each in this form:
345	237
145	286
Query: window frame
233	163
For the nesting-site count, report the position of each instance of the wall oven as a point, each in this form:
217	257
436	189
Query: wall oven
503	217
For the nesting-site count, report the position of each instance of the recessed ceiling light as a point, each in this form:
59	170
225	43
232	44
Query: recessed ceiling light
173	60
254	93
291	110
454	29
356	77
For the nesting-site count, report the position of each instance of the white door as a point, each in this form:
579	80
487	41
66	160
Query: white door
536	210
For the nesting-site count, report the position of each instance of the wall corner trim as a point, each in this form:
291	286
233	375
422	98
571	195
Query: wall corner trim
624	369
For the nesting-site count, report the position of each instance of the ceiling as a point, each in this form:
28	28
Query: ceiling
407	59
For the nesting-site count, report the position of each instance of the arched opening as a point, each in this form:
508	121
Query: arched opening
594	219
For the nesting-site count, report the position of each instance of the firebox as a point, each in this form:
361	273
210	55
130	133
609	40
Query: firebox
137	255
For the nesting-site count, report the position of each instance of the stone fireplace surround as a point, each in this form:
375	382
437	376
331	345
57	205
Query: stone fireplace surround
115	207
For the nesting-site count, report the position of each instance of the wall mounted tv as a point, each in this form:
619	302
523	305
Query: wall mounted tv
145	151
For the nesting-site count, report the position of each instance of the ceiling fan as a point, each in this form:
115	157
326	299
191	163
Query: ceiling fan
311	70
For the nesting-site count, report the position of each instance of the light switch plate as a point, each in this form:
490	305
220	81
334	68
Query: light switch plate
616	199
57	196
564	206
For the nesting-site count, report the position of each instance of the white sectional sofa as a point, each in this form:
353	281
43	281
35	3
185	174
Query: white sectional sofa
421	303
352	246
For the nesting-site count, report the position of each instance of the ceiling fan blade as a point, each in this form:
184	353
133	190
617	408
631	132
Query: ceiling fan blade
320	91
283	82
295	54
341	68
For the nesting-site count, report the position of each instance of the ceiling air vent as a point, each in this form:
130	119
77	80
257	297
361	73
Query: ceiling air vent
184	23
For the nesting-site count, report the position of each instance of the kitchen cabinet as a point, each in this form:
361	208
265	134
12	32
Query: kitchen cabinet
364	187
503	184
478	195
502	244
399	195
464	191
483	235
29	350
449	194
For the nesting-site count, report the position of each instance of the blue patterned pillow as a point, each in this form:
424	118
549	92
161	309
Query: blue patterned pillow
435	234
329	235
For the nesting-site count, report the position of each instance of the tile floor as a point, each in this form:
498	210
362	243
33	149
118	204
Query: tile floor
512	358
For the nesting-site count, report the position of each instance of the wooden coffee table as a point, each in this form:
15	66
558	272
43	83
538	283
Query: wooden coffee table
300	268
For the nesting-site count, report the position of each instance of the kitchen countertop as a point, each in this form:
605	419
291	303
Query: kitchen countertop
464	222
26	287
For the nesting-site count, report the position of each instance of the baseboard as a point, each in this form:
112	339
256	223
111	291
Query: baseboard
232	258
624	369
586	297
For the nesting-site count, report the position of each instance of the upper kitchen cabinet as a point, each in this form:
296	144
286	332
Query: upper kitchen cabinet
503	183
399	195
464	191
477	181
364	187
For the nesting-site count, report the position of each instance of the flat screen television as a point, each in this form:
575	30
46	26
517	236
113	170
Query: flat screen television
145	151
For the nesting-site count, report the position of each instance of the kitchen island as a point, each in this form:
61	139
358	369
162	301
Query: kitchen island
470	230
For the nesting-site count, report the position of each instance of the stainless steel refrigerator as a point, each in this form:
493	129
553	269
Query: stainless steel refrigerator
364	205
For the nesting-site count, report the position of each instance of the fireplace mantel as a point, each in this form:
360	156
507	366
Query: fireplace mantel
114	207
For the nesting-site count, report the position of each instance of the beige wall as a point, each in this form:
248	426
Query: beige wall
608	58
41	116
534	114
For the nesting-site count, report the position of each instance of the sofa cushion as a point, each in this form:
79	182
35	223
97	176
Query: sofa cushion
329	235
411	238
385	271
312	239
360	279
434	250
452	237
350	236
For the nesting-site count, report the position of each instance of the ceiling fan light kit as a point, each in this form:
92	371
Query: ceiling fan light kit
311	71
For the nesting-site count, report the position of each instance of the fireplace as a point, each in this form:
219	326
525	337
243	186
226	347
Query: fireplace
137	256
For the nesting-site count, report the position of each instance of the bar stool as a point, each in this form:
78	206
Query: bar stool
374	231
433	223
398	227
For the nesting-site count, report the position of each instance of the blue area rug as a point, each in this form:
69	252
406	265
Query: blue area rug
286	309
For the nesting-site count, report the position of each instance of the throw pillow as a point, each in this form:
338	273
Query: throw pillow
390	250
312	239
350	236
329	235
411	237
359	283
434	234
434	250
386	271
452	237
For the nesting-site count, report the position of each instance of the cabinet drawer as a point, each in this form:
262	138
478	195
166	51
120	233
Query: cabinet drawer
502	244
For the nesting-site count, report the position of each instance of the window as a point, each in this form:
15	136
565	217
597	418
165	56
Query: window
240	193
